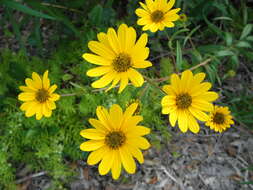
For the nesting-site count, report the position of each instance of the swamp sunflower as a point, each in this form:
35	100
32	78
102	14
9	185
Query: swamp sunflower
157	14
118	55
38	96
188	99
115	140
219	119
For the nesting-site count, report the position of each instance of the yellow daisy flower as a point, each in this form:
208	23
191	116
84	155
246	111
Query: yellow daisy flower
115	140
188	98
156	15
219	119
118	55
38	96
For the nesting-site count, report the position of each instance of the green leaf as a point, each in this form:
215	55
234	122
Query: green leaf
243	44
246	31
95	15
18	6
228	38
224	53
179	56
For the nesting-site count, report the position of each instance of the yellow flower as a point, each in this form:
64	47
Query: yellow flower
219	119
38	96
118	55
157	14
187	100
115	140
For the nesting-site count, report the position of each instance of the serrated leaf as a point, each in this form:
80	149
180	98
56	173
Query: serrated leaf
246	31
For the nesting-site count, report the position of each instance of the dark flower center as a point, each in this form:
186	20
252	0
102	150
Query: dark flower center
157	16
218	118
122	62
115	139
42	95
183	101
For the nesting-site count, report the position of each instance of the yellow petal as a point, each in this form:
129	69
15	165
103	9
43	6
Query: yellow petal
168	100
122	36
105	80
51	105
27	96
37	80
142	64
92	134
186	79
101	49
116	166
193	124
130	111
26	89
103	117
202	105
175	82
137	131
25	106
31	110
113	40
31	84
198	78
131	38
173	118
168	109
97	155
123	82
136	153
183	121
170	4
208	96
102	37
114	83
97	124
46	81
54	97
52	89
91	145
98	60
198	114
139	142
38	116
168	89
127	160
131	122
142	13
172	12
135	77
45	111
116	116
98	71
106	163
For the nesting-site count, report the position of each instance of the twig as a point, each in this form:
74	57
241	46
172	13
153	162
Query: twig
173	179
192	68
61	7
30	177
71	94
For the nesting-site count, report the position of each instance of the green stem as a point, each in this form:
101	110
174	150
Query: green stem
150	81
